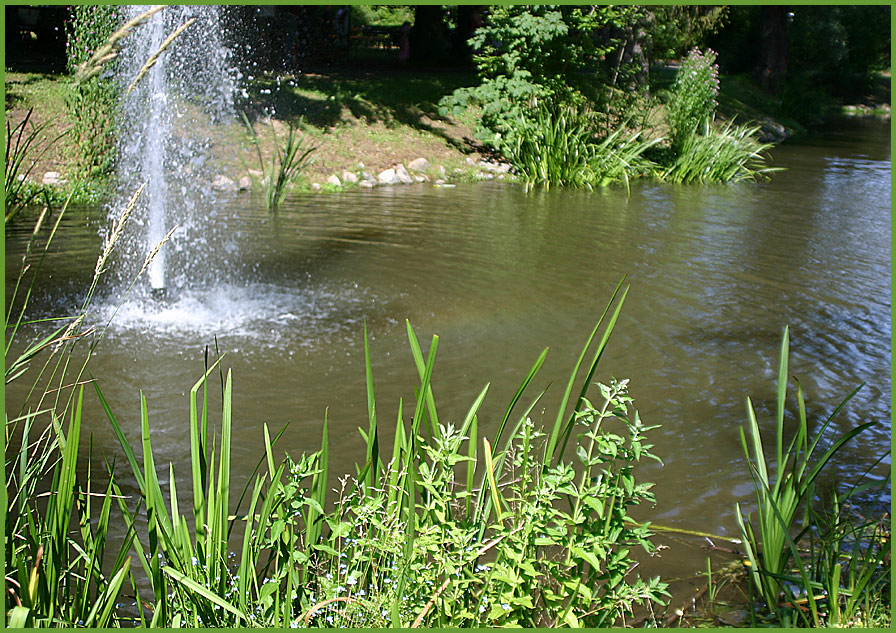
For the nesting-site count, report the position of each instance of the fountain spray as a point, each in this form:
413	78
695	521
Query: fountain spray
165	127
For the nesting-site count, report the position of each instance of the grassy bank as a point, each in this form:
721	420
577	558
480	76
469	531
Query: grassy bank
358	121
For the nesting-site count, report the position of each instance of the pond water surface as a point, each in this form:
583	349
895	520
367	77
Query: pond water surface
716	273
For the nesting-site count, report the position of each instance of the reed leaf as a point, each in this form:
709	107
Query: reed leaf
797	468
314	518
563	424
433	419
372	440
101	614
198	589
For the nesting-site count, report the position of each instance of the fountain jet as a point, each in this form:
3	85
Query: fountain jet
165	136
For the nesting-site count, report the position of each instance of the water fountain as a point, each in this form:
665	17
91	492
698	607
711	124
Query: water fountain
165	139
212	278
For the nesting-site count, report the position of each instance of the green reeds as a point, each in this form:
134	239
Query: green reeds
287	163
54	570
783	521
557	147
404	540
728	153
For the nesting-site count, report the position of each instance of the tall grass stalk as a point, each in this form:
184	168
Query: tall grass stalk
24	147
287	163
772	543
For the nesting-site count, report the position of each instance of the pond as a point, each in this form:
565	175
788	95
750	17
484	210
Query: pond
716	273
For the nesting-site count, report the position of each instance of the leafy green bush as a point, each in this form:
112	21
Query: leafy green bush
530	54
692	97
92	103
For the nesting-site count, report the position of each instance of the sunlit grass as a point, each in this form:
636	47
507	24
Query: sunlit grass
557	146
725	153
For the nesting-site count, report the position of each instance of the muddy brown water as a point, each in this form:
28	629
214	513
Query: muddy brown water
715	274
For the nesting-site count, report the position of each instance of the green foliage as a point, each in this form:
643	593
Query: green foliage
557	147
57	573
93	102
287	163
832	50
847	570
54	569
692	98
839	47
727	153
414	539
381	15
538	53
677	28
780	531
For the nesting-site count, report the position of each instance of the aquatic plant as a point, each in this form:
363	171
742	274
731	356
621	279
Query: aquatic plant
442	532
557	146
727	153
55	575
691	101
287	163
772	545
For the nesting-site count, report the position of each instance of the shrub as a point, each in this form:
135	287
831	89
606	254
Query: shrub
531	54
692	97
92	103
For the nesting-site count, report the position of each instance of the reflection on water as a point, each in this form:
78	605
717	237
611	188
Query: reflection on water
715	272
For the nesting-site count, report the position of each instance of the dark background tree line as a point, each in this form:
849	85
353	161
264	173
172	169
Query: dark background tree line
831	48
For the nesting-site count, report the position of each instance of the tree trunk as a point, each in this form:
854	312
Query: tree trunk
772	46
428	37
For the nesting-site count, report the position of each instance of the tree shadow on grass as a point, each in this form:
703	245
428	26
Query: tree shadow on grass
390	97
